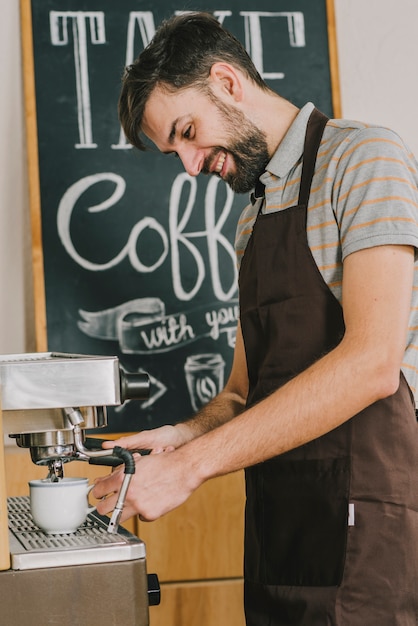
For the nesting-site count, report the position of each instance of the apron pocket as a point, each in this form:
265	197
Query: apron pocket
302	513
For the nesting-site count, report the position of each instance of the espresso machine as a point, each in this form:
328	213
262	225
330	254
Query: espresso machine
97	574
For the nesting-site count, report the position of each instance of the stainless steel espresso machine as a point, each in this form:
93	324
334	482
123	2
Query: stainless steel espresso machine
97	574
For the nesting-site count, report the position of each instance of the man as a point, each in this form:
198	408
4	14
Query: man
319	405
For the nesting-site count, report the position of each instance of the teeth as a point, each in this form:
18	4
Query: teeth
220	163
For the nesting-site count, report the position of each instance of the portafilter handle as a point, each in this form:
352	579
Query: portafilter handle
134	386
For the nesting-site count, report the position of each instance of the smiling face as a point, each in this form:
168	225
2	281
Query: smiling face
208	135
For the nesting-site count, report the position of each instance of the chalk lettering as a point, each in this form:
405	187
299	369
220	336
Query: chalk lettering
221	317
170	332
143	22
59	37
130	250
180	239
254	40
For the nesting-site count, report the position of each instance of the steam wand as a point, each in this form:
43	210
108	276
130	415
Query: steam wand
76	418
128	458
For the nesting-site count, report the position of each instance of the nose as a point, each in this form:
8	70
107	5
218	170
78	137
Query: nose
192	160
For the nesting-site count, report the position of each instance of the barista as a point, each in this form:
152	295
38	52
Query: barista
319	405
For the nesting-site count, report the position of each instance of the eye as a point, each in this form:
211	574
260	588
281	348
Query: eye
188	132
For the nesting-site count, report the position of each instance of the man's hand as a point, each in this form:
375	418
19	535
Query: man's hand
161	483
164	439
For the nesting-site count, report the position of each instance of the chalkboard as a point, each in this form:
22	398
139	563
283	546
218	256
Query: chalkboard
132	257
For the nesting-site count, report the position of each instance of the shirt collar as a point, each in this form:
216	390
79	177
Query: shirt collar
290	149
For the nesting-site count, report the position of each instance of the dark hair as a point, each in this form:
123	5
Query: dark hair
180	55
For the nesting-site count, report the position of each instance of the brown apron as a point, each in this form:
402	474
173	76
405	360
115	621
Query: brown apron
307	562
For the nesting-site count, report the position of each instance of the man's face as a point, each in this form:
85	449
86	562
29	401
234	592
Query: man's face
209	136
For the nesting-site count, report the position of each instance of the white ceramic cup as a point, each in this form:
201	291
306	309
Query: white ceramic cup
60	507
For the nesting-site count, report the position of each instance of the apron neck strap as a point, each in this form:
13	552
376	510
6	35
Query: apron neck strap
314	131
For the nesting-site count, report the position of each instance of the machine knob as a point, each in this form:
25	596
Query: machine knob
133	386
154	592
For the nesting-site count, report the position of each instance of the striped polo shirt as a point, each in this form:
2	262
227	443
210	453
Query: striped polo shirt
364	193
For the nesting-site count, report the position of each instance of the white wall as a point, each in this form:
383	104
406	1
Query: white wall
378	61
14	227
378	58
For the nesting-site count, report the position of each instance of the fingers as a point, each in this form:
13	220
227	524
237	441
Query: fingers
155	488
157	440
123	442
107	485
159	450
108	444
106	489
144	440
106	504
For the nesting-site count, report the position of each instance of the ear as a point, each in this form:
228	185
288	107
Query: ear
226	81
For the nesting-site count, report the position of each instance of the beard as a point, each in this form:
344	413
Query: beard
246	143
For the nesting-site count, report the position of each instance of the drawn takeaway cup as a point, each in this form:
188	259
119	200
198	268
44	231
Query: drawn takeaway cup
204	377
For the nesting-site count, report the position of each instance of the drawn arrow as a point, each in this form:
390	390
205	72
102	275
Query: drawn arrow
155	394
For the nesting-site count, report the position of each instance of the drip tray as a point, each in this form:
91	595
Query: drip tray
31	548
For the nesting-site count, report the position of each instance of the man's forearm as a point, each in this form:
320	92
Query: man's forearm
224	407
364	368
